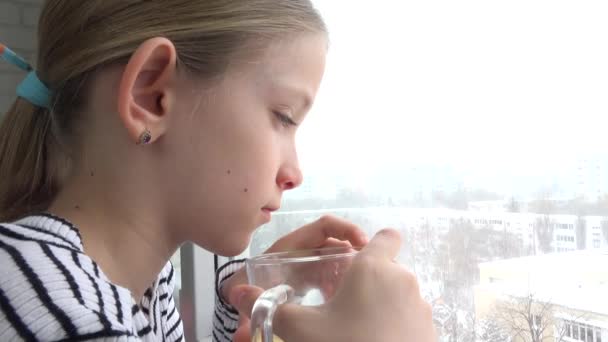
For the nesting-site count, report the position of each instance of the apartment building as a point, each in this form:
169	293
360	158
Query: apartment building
563	292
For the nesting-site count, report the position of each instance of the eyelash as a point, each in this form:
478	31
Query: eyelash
285	120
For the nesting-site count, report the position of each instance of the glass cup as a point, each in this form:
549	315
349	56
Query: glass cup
307	277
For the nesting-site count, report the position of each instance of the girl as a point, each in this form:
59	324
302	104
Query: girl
147	124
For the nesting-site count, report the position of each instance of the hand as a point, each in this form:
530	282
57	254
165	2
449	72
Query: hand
378	301
328	231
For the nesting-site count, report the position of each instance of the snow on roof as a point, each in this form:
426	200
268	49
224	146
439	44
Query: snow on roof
577	280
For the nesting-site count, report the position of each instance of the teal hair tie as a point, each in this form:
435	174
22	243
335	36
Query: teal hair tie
31	89
34	91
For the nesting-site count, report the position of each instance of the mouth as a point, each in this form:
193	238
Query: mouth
267	212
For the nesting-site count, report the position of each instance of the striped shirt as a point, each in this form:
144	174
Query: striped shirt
51	291
225	320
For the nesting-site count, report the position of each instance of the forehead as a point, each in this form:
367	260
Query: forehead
304	52
297	63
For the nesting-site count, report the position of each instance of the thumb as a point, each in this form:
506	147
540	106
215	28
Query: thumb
242	333
243	298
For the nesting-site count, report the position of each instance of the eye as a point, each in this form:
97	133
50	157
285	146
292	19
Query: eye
285	120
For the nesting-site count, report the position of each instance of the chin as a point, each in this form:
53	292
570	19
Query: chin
232	251
231	246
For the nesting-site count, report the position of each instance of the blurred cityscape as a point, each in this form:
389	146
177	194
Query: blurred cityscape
523	266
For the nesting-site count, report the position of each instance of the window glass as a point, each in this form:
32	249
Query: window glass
446	120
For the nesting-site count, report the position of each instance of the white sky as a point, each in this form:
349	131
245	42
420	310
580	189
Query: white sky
489	84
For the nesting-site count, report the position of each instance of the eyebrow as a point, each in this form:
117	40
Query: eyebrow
305	98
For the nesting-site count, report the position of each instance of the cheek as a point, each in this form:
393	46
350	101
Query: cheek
250	154
259	163
227	155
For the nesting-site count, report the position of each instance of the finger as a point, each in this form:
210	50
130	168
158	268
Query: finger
385	244
242	334
328	289
244	320
313	235
293	322
243	298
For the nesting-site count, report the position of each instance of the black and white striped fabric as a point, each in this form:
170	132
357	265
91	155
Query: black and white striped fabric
51	291
226	318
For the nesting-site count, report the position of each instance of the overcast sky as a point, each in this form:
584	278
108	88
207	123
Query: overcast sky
492	85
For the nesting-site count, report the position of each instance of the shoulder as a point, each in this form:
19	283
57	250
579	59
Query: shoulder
50	290
27	258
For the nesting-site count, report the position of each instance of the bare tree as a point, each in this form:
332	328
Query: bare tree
513	206
581	233
490	331
530	320
543	228
453	324
605	228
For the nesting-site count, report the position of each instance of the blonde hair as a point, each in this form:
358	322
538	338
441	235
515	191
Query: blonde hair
78	38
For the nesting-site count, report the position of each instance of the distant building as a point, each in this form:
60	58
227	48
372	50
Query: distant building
522	225
573	284
592	178
489	206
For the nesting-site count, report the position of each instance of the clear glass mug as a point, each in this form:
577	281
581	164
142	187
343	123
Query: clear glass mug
308	277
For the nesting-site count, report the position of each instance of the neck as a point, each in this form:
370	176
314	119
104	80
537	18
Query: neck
122	230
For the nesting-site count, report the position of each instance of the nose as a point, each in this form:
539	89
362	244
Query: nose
289	177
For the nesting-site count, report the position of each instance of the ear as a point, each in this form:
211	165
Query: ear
145	94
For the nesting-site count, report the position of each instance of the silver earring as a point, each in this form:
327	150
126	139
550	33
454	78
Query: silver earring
144	138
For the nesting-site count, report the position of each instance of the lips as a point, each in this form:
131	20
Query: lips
267	214
271	207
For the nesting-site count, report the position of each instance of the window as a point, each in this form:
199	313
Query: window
582	332
455	110
565	238
440	88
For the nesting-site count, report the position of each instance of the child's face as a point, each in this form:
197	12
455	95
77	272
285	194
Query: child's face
236	155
